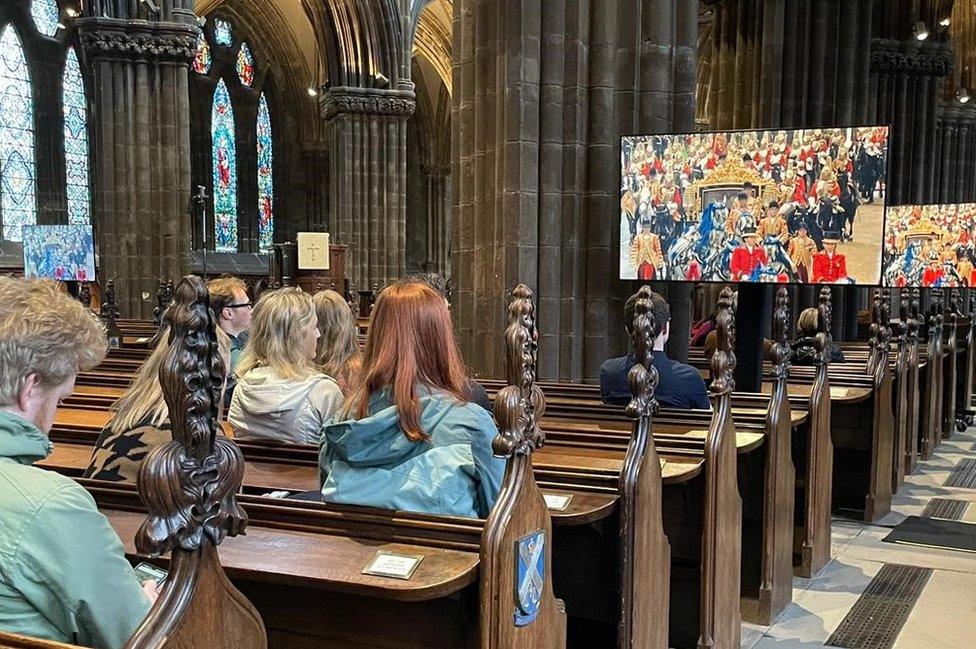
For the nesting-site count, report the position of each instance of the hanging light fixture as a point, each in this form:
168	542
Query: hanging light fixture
312	92
920	31
962	96
945	22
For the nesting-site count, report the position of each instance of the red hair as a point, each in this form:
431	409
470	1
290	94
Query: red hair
410	342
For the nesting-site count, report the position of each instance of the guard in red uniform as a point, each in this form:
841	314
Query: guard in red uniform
933	272
829	266
746	258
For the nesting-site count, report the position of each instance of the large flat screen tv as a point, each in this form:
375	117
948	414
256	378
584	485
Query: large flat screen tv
782	206
930	245
61	252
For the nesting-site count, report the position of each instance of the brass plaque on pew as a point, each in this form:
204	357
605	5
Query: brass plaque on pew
393	565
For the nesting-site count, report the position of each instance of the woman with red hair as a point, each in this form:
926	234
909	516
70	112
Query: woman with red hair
408	437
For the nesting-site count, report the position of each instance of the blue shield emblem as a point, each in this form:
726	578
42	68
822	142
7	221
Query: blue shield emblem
530	562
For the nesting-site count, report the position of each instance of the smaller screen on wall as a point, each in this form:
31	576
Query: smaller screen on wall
61	252
930	245
780	206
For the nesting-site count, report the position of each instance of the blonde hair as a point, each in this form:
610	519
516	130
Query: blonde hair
278	325
45	332
337	352
222	292
144	398
809	321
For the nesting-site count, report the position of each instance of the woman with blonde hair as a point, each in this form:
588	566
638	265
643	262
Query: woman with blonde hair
409	437
141	419
281	395
337	353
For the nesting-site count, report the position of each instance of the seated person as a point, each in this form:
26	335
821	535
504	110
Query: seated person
232	308
437	282
680	385
410	438
141	419
63	573
281	395
807	326
337	351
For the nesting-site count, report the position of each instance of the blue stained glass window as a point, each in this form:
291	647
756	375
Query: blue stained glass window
18	206
76	142
223	33
265	176
224	170
45	13
245	65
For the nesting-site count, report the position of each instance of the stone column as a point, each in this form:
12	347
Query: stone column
367	131
537	113
438	219
140	135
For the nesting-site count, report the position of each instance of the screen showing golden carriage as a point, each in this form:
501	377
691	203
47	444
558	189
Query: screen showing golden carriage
754	206
930	245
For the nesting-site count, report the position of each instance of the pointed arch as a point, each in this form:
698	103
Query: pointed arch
76	159
265	175
18	202
224	145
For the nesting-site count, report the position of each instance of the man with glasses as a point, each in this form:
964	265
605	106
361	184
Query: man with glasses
232	308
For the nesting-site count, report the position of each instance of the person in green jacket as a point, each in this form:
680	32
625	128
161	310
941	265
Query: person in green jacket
63	572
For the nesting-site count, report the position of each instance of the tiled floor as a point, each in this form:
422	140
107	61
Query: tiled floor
945	615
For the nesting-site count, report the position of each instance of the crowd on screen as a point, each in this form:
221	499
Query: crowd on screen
783	226
930	245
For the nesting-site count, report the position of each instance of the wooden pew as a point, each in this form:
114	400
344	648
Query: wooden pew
310	556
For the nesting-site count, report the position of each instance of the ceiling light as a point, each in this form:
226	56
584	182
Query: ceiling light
920	31
71	12
945	22
962	96
312	92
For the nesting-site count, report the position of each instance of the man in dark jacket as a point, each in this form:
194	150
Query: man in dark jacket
680	385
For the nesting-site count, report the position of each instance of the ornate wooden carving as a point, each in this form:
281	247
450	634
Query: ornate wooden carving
776	585
818	492
878	499
932	404
189	487
902	385
85	294
644	550
164	296
873	337
950	331
520	511
912	337
110	313
721	545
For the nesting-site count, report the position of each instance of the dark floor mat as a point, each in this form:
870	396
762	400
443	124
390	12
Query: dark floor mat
933	533
879	614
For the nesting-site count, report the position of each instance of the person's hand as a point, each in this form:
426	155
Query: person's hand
151	590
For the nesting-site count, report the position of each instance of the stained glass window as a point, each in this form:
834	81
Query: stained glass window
76	143
265	176
223	34
224	170
45	13
245	65
203	59
17	184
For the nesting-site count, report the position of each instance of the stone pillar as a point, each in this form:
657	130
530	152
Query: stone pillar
438	219
367	131
537	114
140	136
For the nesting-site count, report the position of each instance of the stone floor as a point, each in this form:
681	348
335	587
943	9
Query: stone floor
944	616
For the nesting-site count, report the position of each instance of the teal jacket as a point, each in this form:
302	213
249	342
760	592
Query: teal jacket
371	462
63	573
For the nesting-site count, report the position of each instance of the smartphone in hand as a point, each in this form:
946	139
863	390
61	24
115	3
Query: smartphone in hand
146	572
